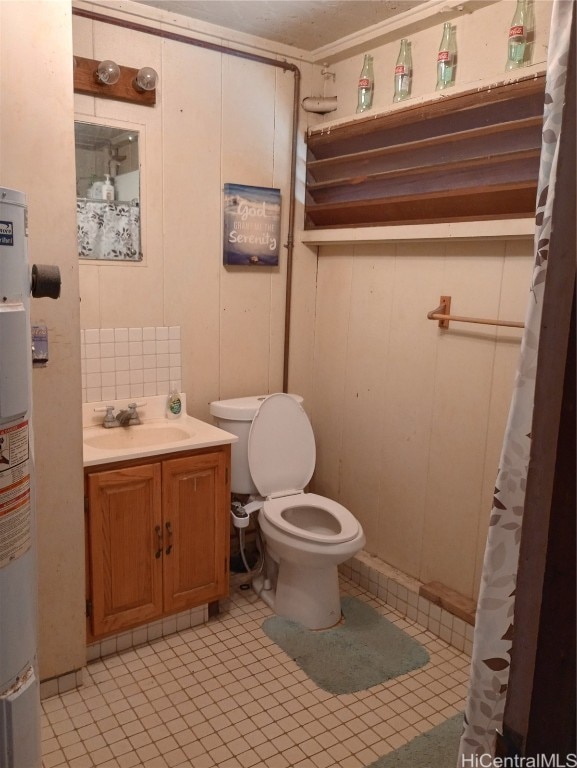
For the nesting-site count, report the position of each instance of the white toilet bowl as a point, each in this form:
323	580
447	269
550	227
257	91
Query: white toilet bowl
307	552
306	535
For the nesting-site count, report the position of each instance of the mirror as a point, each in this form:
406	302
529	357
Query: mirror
107	192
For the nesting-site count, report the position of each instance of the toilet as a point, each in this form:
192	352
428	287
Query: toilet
306	535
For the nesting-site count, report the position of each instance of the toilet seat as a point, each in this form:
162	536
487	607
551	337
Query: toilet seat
281	457
327	521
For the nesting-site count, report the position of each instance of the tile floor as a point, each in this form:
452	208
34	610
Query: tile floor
225	695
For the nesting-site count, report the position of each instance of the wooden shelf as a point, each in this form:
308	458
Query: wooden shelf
468	156
456	231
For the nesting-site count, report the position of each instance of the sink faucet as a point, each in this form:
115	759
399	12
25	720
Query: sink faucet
128	417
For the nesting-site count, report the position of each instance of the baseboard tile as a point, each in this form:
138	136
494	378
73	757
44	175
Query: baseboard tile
453	602
108	646
55	686
405	595
147	633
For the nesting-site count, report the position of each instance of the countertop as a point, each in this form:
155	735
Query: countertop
157	435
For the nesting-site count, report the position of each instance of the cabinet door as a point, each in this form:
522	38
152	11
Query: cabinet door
196	529
125	547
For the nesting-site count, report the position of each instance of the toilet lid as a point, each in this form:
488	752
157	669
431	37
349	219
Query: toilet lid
281	446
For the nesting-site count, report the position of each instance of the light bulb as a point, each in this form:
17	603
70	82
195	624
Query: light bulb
108	72
146	79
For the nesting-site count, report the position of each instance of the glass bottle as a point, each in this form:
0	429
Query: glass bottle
446	58
366	85
453	52
517	37
403	72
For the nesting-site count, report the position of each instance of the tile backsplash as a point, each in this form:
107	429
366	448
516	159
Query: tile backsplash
129	362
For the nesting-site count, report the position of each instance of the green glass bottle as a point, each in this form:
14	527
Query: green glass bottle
517	37
403	72
366	85
446	58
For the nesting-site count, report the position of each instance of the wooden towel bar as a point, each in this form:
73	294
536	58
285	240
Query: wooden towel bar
442	314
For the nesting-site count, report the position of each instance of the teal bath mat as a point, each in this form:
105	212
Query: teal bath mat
437	748
363	650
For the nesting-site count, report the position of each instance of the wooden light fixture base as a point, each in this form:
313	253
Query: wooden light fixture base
85	82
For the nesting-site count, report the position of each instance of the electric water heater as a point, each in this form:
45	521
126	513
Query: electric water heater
19	684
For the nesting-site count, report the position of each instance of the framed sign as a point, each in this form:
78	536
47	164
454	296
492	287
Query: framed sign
251	225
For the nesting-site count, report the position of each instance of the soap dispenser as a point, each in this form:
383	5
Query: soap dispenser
95	191
173	403
107	189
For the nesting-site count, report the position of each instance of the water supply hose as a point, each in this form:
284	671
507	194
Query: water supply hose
241	514
252	572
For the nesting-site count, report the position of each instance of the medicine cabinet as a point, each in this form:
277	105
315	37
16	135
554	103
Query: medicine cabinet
107	192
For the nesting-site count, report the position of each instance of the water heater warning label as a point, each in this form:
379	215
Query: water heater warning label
15	504
6	233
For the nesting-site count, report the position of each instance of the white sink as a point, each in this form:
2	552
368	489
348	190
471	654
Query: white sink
155	436
141	436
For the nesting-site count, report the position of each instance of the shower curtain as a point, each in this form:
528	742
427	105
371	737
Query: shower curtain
494	621
108	230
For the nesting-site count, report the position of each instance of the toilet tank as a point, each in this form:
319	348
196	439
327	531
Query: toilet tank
236	416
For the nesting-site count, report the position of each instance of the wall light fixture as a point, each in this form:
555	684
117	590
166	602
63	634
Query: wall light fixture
108	80
146	79
108	72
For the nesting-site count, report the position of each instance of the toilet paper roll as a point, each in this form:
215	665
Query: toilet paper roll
320	104
45	281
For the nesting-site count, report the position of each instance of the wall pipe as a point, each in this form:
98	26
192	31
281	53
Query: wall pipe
284	65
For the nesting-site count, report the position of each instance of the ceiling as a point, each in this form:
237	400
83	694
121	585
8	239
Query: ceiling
304	24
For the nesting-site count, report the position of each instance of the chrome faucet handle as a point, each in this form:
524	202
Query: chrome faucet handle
103	408
109	414
134	418
109	418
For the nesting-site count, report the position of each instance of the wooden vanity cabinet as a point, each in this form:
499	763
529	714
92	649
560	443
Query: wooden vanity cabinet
196	531
124	528
157	537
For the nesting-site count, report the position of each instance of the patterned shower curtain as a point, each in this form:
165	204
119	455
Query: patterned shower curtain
108	230
494	622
